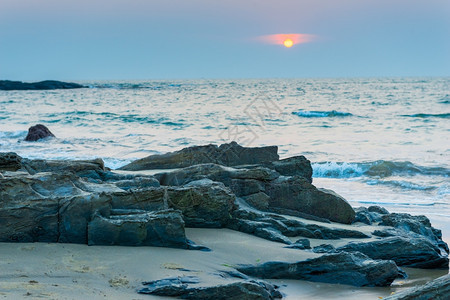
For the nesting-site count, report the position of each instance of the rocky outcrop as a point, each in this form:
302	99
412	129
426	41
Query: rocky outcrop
183	287
10	161
84	202
208	205
230	154
343	268
164	228
415	252
278	228
296	193
62	207
265	189
8	85
38	132
437	289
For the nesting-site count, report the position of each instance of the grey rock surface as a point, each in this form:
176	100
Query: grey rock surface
343	268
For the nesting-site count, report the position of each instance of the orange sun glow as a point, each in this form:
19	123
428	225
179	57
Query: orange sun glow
287	39
288	43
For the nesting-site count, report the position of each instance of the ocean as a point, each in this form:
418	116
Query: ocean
375	141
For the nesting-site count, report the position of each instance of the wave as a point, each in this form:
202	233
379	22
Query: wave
84	116
380	169
402	184
443	116
13	134
321	114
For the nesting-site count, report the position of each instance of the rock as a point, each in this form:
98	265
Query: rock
293	166
236	291
202	206
38	132
272	235
249	221
420	225
8	85
172	287
83	168
300	244
182	287
22	219
127	228
230	154
296	193
437	289
409	252
10	161
242	181
324	248
295	213
342	268
258	200
365	216
378	209
57	207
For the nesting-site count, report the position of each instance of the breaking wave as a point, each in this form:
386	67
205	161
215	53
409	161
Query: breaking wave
380	168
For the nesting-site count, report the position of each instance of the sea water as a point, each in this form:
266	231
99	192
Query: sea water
375	141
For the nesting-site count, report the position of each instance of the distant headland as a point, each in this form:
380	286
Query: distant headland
8	85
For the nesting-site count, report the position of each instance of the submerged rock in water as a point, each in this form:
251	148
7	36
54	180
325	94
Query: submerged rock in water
8	85
38	132
343	268
230	154
437	289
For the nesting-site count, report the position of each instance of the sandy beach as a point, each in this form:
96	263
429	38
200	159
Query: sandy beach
68	271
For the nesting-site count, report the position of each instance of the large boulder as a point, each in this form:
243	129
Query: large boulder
202	205
296	193
437	289
342	268
138	228
8	85
293	166
29	206
38	132
79	167
230	154
415	252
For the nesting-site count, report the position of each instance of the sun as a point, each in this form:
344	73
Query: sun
288	43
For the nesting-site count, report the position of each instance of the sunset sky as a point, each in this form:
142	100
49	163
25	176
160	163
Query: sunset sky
158	39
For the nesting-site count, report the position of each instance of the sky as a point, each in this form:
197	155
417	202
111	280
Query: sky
177	39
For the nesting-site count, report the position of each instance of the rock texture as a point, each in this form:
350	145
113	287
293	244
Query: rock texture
8	85
438	289
409	252
183	287
10	161
266	189
38	132
230	154
343	268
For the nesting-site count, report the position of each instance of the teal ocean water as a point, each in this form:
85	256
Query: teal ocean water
373	140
